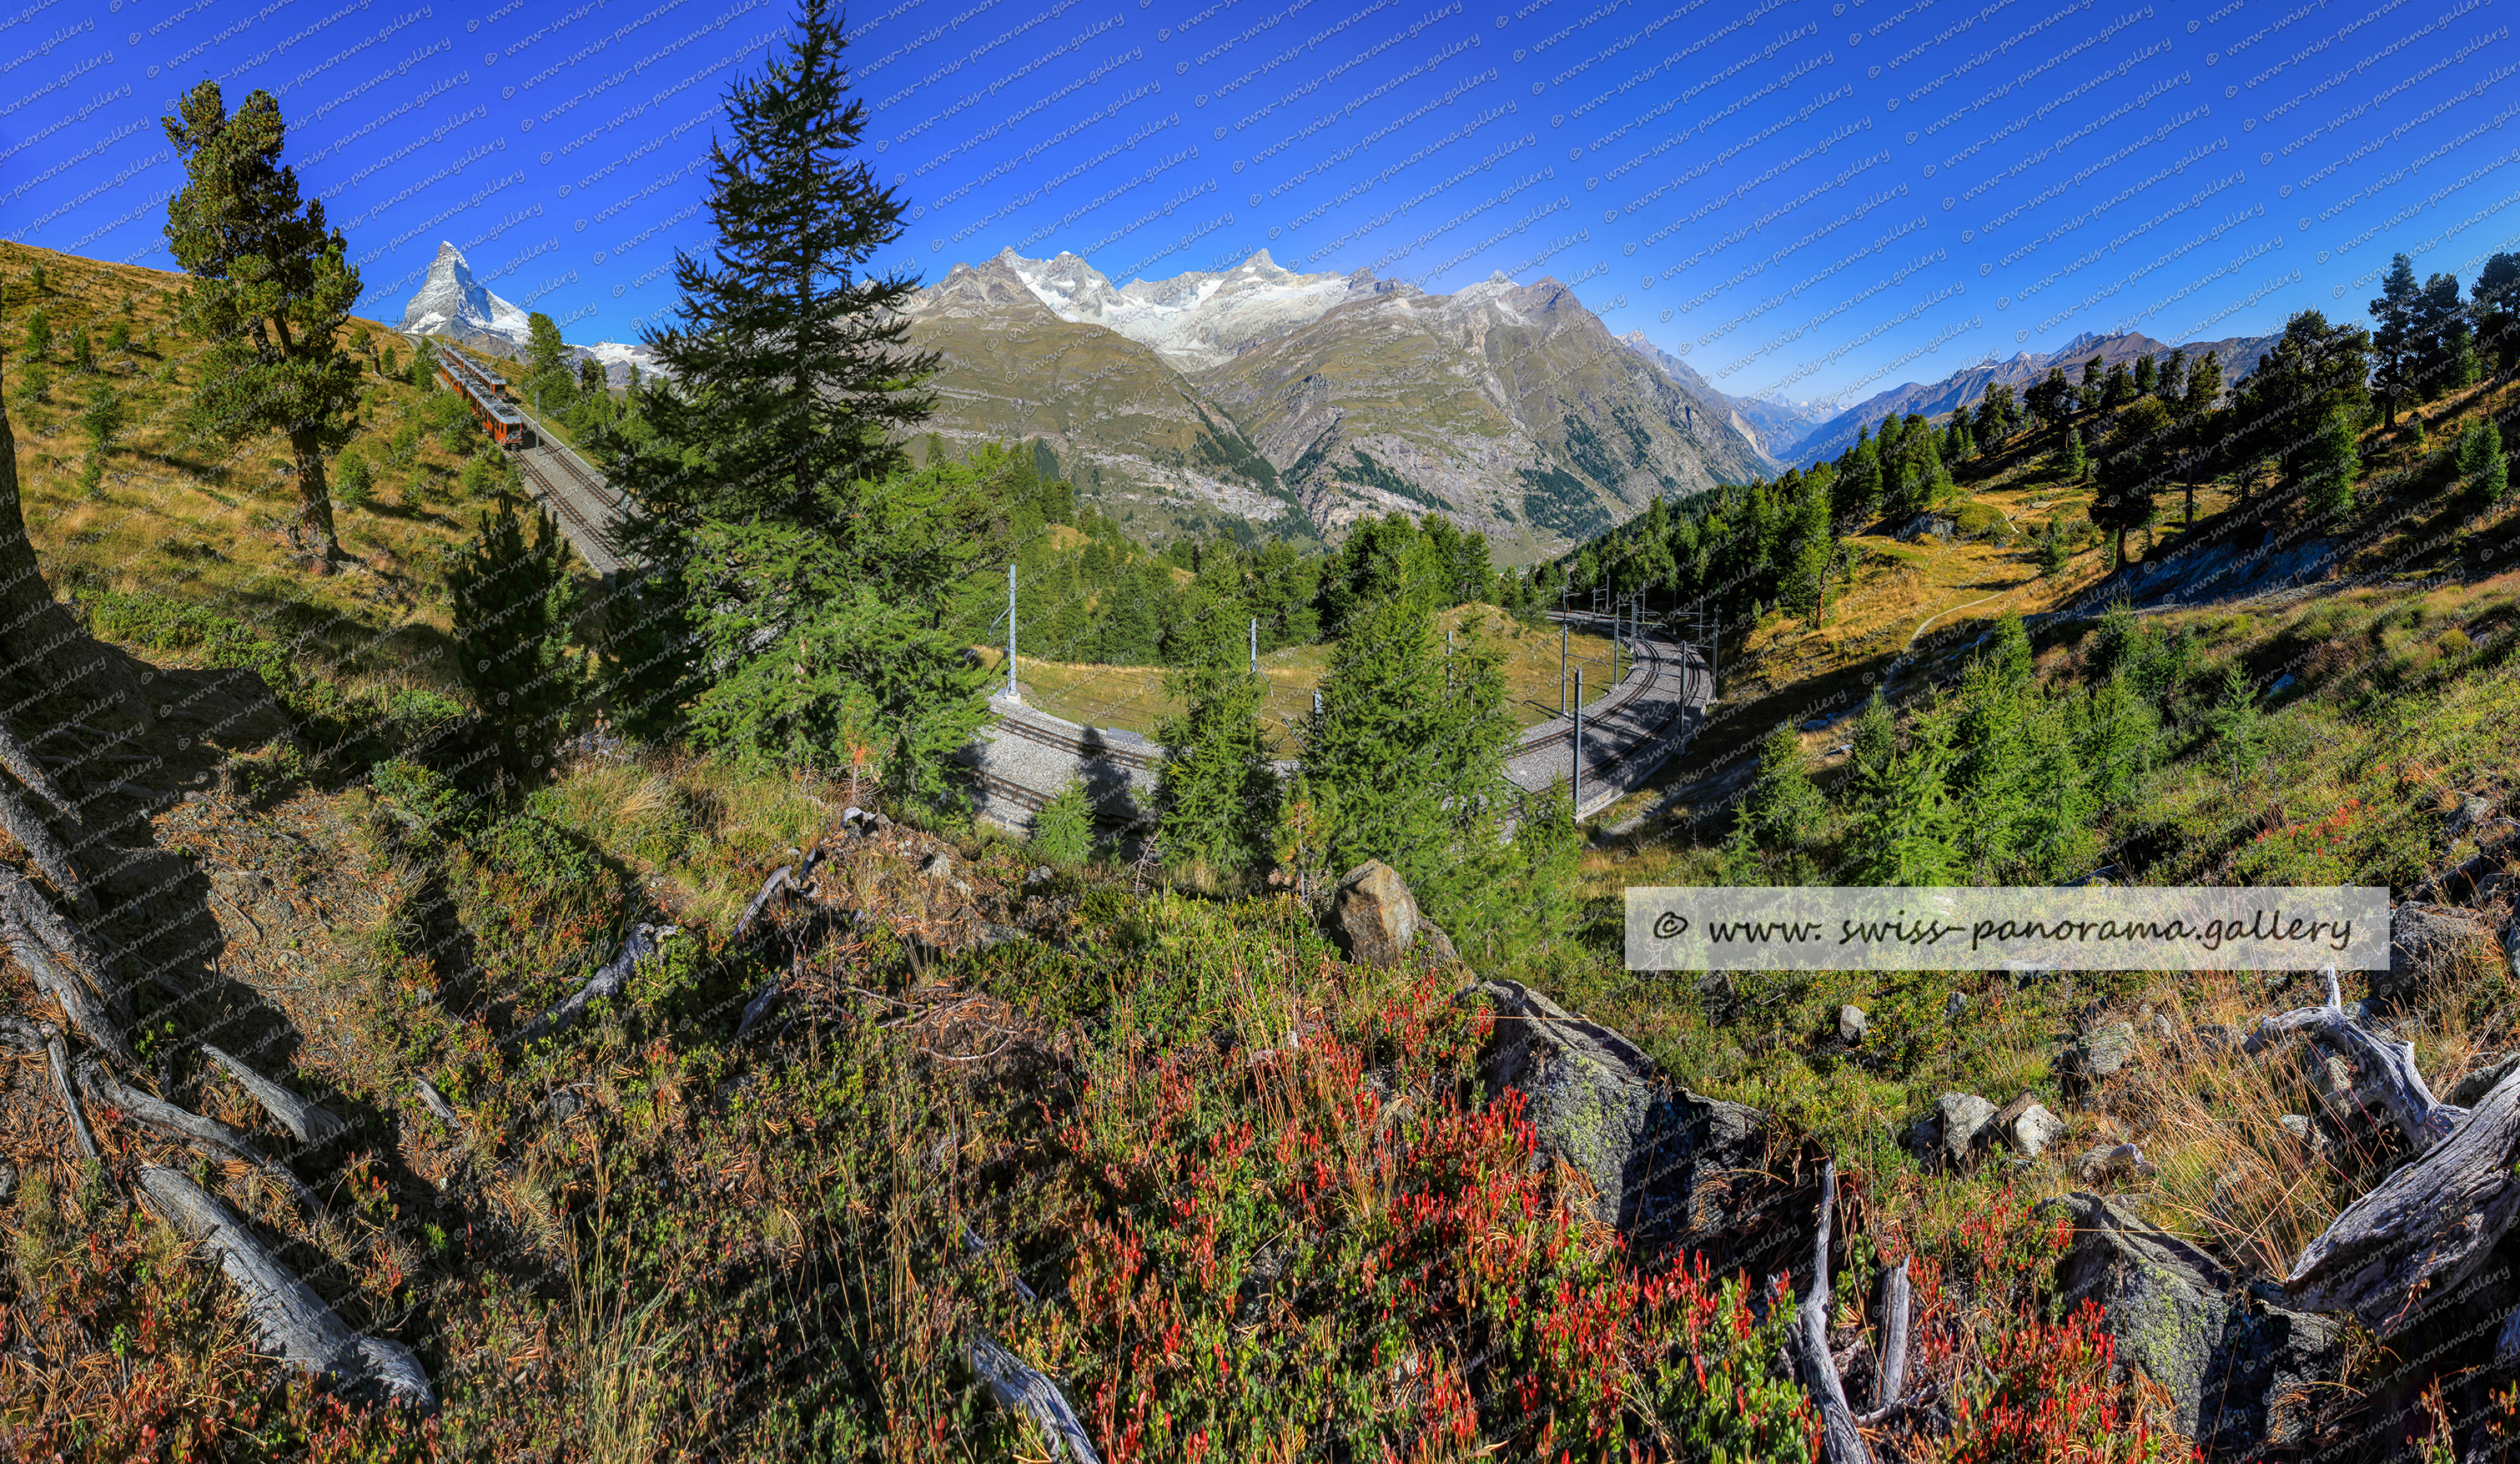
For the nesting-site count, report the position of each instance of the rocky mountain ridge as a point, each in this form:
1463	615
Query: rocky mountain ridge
1311	400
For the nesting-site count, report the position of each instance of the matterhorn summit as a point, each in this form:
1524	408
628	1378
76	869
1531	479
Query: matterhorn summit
450	302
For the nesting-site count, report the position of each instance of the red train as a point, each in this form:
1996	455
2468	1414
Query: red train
488	395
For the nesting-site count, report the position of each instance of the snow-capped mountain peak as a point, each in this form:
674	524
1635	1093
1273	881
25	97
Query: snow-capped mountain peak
451	302
1196	319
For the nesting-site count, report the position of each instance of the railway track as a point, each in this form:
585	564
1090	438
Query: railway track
1077	746
582	505
1667	675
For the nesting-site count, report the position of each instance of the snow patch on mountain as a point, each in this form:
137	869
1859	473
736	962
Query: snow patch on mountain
1196	320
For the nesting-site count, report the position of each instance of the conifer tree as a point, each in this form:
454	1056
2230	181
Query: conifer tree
1905	833
1780	819
2071	460
775	501
2395	354
2330	466
2055	554
103	420
1216	789
270	289
512	612
1407	756
2113	737
1548	846
2237	722
1991	768
1062	831
2482	467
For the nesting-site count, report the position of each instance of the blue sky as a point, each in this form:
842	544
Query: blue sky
1805	197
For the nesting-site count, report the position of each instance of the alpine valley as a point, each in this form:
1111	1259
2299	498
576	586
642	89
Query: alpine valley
1259	400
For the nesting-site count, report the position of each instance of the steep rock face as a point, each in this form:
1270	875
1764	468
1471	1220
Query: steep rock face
1121	422
1260	392
1509	406
451	302
1770	425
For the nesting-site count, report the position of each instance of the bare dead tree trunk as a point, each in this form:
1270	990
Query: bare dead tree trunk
1840	1440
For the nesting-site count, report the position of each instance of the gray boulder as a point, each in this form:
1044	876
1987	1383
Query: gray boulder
1373	917
2471	812
1851	1023
1960	1120
1668	1167
2425	941
2100	1054
2027	1125
2242	1368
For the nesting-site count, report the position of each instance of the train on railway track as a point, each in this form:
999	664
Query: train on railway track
489	396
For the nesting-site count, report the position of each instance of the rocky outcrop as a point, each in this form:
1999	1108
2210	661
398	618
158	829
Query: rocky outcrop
1669	1169
2244	1371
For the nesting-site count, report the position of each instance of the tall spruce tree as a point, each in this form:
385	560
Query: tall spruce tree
1217	790
270	290
2395	355
775	500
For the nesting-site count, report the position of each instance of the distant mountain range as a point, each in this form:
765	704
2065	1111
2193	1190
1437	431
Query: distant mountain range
450	302
1962	387
1306	401
1771	426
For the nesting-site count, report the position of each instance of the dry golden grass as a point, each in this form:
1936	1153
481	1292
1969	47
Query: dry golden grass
202	522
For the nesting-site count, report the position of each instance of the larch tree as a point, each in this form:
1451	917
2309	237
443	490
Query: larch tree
270	289
1217	790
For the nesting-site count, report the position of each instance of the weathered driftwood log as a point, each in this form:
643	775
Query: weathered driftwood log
1020	1389
80	1131
2426	1228
641	944
309	1124
1892	1378
204	1133
295	1322
2386	1069
1840	1440
82	1007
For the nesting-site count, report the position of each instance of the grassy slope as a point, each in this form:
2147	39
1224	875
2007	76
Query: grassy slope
210	524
